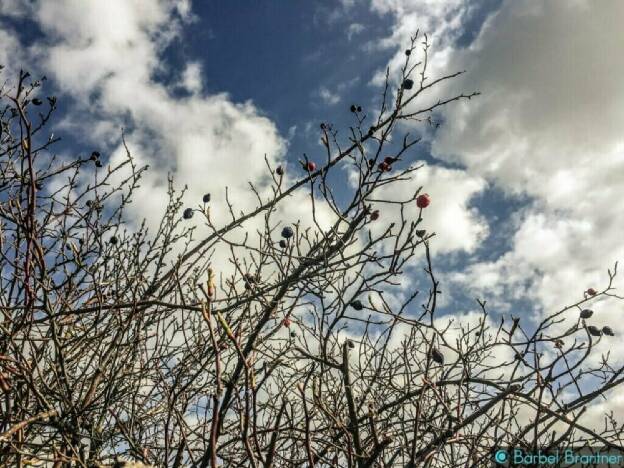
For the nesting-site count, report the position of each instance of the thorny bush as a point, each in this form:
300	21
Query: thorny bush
302	348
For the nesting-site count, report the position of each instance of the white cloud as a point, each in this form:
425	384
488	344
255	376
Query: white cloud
8	43
548	127
457	225
12	8
328	97
192	77
105	55
354	29
440	19
111	50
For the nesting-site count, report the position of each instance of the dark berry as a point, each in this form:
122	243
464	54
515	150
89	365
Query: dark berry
408	84
98	163
437	356
188	213
374	215
279	171
608	331
206	198
359	108
37	101
594	331
408	52
94	156
287	232
283	244
421	233
350	344
586	313
357	304
113	240
353	108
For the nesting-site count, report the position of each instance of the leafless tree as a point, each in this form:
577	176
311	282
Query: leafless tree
121	344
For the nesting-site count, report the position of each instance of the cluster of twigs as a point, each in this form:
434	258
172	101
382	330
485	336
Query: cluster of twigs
300	349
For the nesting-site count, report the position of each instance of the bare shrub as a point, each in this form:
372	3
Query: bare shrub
305	346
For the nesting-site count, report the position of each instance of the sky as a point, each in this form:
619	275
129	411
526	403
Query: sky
526	179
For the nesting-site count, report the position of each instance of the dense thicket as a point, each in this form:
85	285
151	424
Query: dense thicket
264	341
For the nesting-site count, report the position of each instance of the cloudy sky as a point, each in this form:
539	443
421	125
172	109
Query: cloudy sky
526	179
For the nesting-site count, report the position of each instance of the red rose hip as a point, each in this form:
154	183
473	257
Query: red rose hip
384	166
423	201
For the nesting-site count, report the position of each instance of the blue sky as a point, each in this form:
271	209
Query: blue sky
527	179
